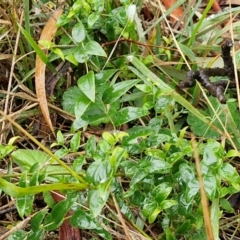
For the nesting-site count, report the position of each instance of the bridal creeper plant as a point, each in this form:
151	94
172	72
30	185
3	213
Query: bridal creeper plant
142	158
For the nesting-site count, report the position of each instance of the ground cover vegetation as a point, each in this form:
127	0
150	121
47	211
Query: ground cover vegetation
100	138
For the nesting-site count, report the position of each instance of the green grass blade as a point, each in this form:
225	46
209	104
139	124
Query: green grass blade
37	49
15	191
148	76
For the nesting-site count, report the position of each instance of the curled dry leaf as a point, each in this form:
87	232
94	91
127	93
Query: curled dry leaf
47	34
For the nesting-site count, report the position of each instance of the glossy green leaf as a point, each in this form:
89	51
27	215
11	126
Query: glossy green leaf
5	150
149	207
71	59
152	217
37	235
60	138
167	204
59	211
18	235
24	204
87	85
25	158
161	192
37	219
98	172
104	75
136	133
109	138
81	105
70	97
91	146
78	163
117	90
117	156
75	141
62	20
191	190
138	176
186	226
169	235
55	218
128	114
229	173
94	48
209	157
92	18
97	199
211	186
80	55
81	219
225	204
78	32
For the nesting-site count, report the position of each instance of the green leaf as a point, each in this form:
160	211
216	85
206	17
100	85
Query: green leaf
169	235
75	142
78	32
211	186
209	158
136	133
117	155
229	173
18	235
98	172
94	48
87	85
90	147
104	75
81	106
149	207
159	166
161	192
25	158
37	219
58	52
225	204
117	90
24	204
38	235
109	138
138	176
71	59
187	52
60	138
191	190
186	226
152	217
128	114
78	163
80	219
5	150
92	18
97	199
55	218
80	55
70	97
167	204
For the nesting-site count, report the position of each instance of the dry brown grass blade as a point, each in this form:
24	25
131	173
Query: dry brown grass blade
47	34
204	200
126	231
